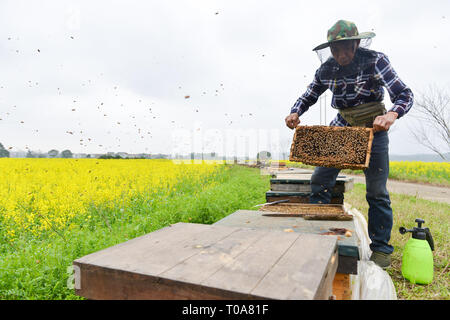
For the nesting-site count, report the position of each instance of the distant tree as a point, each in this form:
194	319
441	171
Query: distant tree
3	152
30	154
263	156
109	156
53	153
432	109
67	154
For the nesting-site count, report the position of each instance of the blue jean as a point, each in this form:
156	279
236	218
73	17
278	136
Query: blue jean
380	212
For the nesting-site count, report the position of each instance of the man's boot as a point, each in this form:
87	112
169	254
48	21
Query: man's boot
381	259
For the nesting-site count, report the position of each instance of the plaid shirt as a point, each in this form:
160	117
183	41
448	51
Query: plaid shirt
362	82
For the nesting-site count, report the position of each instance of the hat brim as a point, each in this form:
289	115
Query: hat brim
363	35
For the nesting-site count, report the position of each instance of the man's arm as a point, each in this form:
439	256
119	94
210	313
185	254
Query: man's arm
400	94
314	90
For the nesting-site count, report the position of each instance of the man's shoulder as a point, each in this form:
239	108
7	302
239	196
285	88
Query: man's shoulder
371	60
367	54
372	54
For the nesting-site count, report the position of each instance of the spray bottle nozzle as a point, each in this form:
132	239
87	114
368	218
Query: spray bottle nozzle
419	232
419	222
403	230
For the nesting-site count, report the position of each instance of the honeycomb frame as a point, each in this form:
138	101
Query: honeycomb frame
359	141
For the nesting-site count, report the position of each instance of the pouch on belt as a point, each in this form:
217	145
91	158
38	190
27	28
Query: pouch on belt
364	114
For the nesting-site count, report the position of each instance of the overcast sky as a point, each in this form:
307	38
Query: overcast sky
183	75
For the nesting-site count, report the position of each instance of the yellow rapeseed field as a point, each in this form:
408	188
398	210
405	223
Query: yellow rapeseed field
37	195
430	171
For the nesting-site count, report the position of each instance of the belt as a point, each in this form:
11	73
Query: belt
364	114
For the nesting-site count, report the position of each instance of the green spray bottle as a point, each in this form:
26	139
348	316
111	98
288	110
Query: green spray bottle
417	261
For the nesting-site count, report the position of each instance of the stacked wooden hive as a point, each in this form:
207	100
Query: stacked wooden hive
336	147
297	188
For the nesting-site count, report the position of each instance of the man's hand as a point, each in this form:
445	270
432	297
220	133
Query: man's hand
292	120
384	122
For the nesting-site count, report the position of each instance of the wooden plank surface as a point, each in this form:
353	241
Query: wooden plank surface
244	273
213	258
154	252
195	261
282	278
271	261
347	246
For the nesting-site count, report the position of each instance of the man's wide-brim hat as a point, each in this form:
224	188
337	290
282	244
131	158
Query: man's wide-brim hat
343	30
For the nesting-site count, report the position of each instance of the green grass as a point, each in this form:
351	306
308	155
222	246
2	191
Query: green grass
37	268
34	268
405	210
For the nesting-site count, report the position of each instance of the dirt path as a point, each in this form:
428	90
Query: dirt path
424	191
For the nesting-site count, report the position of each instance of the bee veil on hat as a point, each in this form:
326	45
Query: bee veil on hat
342	30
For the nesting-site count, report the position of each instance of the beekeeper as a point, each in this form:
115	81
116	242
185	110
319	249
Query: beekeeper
356	76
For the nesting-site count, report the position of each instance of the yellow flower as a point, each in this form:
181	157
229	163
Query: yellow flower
45	195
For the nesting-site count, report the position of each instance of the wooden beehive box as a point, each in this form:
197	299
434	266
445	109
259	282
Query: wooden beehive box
336	147
204	262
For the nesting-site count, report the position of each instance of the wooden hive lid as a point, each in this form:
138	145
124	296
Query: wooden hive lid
196	261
